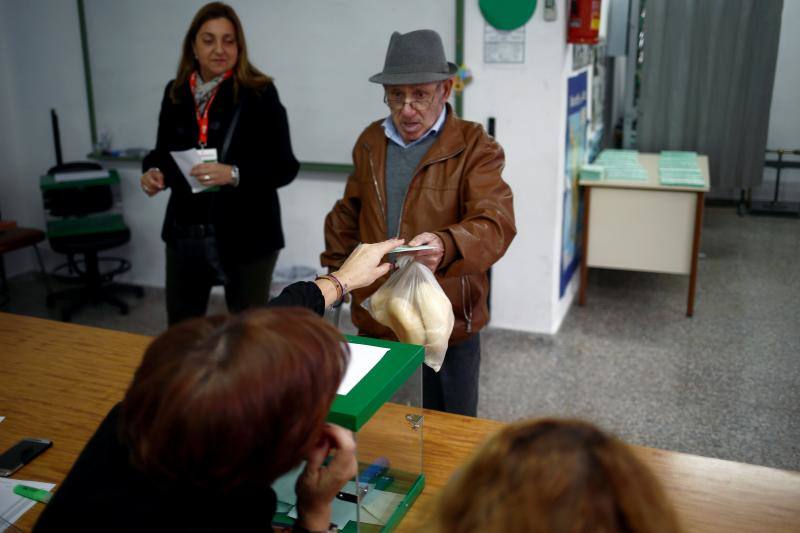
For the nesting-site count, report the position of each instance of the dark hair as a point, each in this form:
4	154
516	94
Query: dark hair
555	476
225	401
245	74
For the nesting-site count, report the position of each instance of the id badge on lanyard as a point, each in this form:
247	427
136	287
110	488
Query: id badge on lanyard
202	119
207	155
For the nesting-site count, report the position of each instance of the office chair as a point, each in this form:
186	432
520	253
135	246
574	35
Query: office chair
15	238
83	227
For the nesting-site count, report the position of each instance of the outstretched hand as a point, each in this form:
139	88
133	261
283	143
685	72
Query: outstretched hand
364	265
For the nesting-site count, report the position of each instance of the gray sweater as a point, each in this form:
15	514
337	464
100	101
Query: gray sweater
400	166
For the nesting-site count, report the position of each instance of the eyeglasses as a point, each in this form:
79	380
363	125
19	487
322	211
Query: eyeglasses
396	102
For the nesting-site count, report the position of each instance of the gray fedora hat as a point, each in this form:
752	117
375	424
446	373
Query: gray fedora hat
415	57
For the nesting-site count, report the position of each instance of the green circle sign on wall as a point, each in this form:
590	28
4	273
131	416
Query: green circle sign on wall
507	15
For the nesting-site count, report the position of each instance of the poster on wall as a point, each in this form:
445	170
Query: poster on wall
503	46
581	56
575	156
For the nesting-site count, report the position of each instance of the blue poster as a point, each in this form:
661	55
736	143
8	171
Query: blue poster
575	153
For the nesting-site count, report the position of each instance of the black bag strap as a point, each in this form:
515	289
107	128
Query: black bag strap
225	145
229	134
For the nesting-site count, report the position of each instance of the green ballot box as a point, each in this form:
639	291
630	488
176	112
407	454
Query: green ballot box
380	401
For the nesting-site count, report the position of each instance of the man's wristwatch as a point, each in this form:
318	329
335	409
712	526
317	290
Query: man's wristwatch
234	176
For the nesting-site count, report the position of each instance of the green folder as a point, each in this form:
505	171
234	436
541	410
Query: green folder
70	227
48	182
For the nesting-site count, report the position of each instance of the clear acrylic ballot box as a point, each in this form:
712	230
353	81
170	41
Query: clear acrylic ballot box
384	411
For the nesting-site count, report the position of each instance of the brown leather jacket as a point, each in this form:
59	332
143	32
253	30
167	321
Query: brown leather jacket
457	193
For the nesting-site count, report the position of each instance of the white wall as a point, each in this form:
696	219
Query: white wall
135	47
304	205
8	141
41	66
528	103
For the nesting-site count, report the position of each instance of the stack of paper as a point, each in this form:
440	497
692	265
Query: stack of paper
621	165
680	168
592	173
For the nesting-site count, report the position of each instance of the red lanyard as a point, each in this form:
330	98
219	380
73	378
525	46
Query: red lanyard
202	120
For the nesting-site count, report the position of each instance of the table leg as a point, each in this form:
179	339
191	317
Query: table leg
698	224
587	195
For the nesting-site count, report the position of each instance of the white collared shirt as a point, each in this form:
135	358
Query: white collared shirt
391	131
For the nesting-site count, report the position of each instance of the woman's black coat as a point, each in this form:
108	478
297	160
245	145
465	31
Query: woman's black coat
246	218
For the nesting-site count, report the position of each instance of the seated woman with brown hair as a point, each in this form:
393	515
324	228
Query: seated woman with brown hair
218	409
554	476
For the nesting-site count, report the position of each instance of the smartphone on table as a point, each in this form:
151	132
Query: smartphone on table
21	454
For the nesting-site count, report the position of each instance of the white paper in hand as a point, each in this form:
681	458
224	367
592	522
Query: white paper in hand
403	249
185	160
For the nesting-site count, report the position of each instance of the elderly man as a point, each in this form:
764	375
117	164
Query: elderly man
425	175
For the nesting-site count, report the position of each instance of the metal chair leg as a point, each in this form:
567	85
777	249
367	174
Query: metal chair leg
45	278
5	292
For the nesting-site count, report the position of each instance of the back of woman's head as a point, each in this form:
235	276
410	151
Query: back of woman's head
555	476
227	401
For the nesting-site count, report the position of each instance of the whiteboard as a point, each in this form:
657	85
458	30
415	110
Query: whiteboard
319	52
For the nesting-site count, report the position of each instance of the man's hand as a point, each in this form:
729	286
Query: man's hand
318	485
429	258
212	174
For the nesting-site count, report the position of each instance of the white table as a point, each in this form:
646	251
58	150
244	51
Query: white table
643	226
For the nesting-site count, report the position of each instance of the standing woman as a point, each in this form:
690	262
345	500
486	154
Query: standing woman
229	231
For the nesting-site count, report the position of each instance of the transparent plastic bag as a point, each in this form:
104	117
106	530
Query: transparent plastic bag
413	305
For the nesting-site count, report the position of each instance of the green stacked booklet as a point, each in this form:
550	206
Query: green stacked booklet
592	172
621	165
680	169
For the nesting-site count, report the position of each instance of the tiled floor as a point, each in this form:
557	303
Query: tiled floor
725	383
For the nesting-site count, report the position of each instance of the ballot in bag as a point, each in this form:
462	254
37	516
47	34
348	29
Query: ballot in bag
413	305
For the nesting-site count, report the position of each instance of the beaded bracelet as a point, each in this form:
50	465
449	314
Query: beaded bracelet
337	285
342	286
